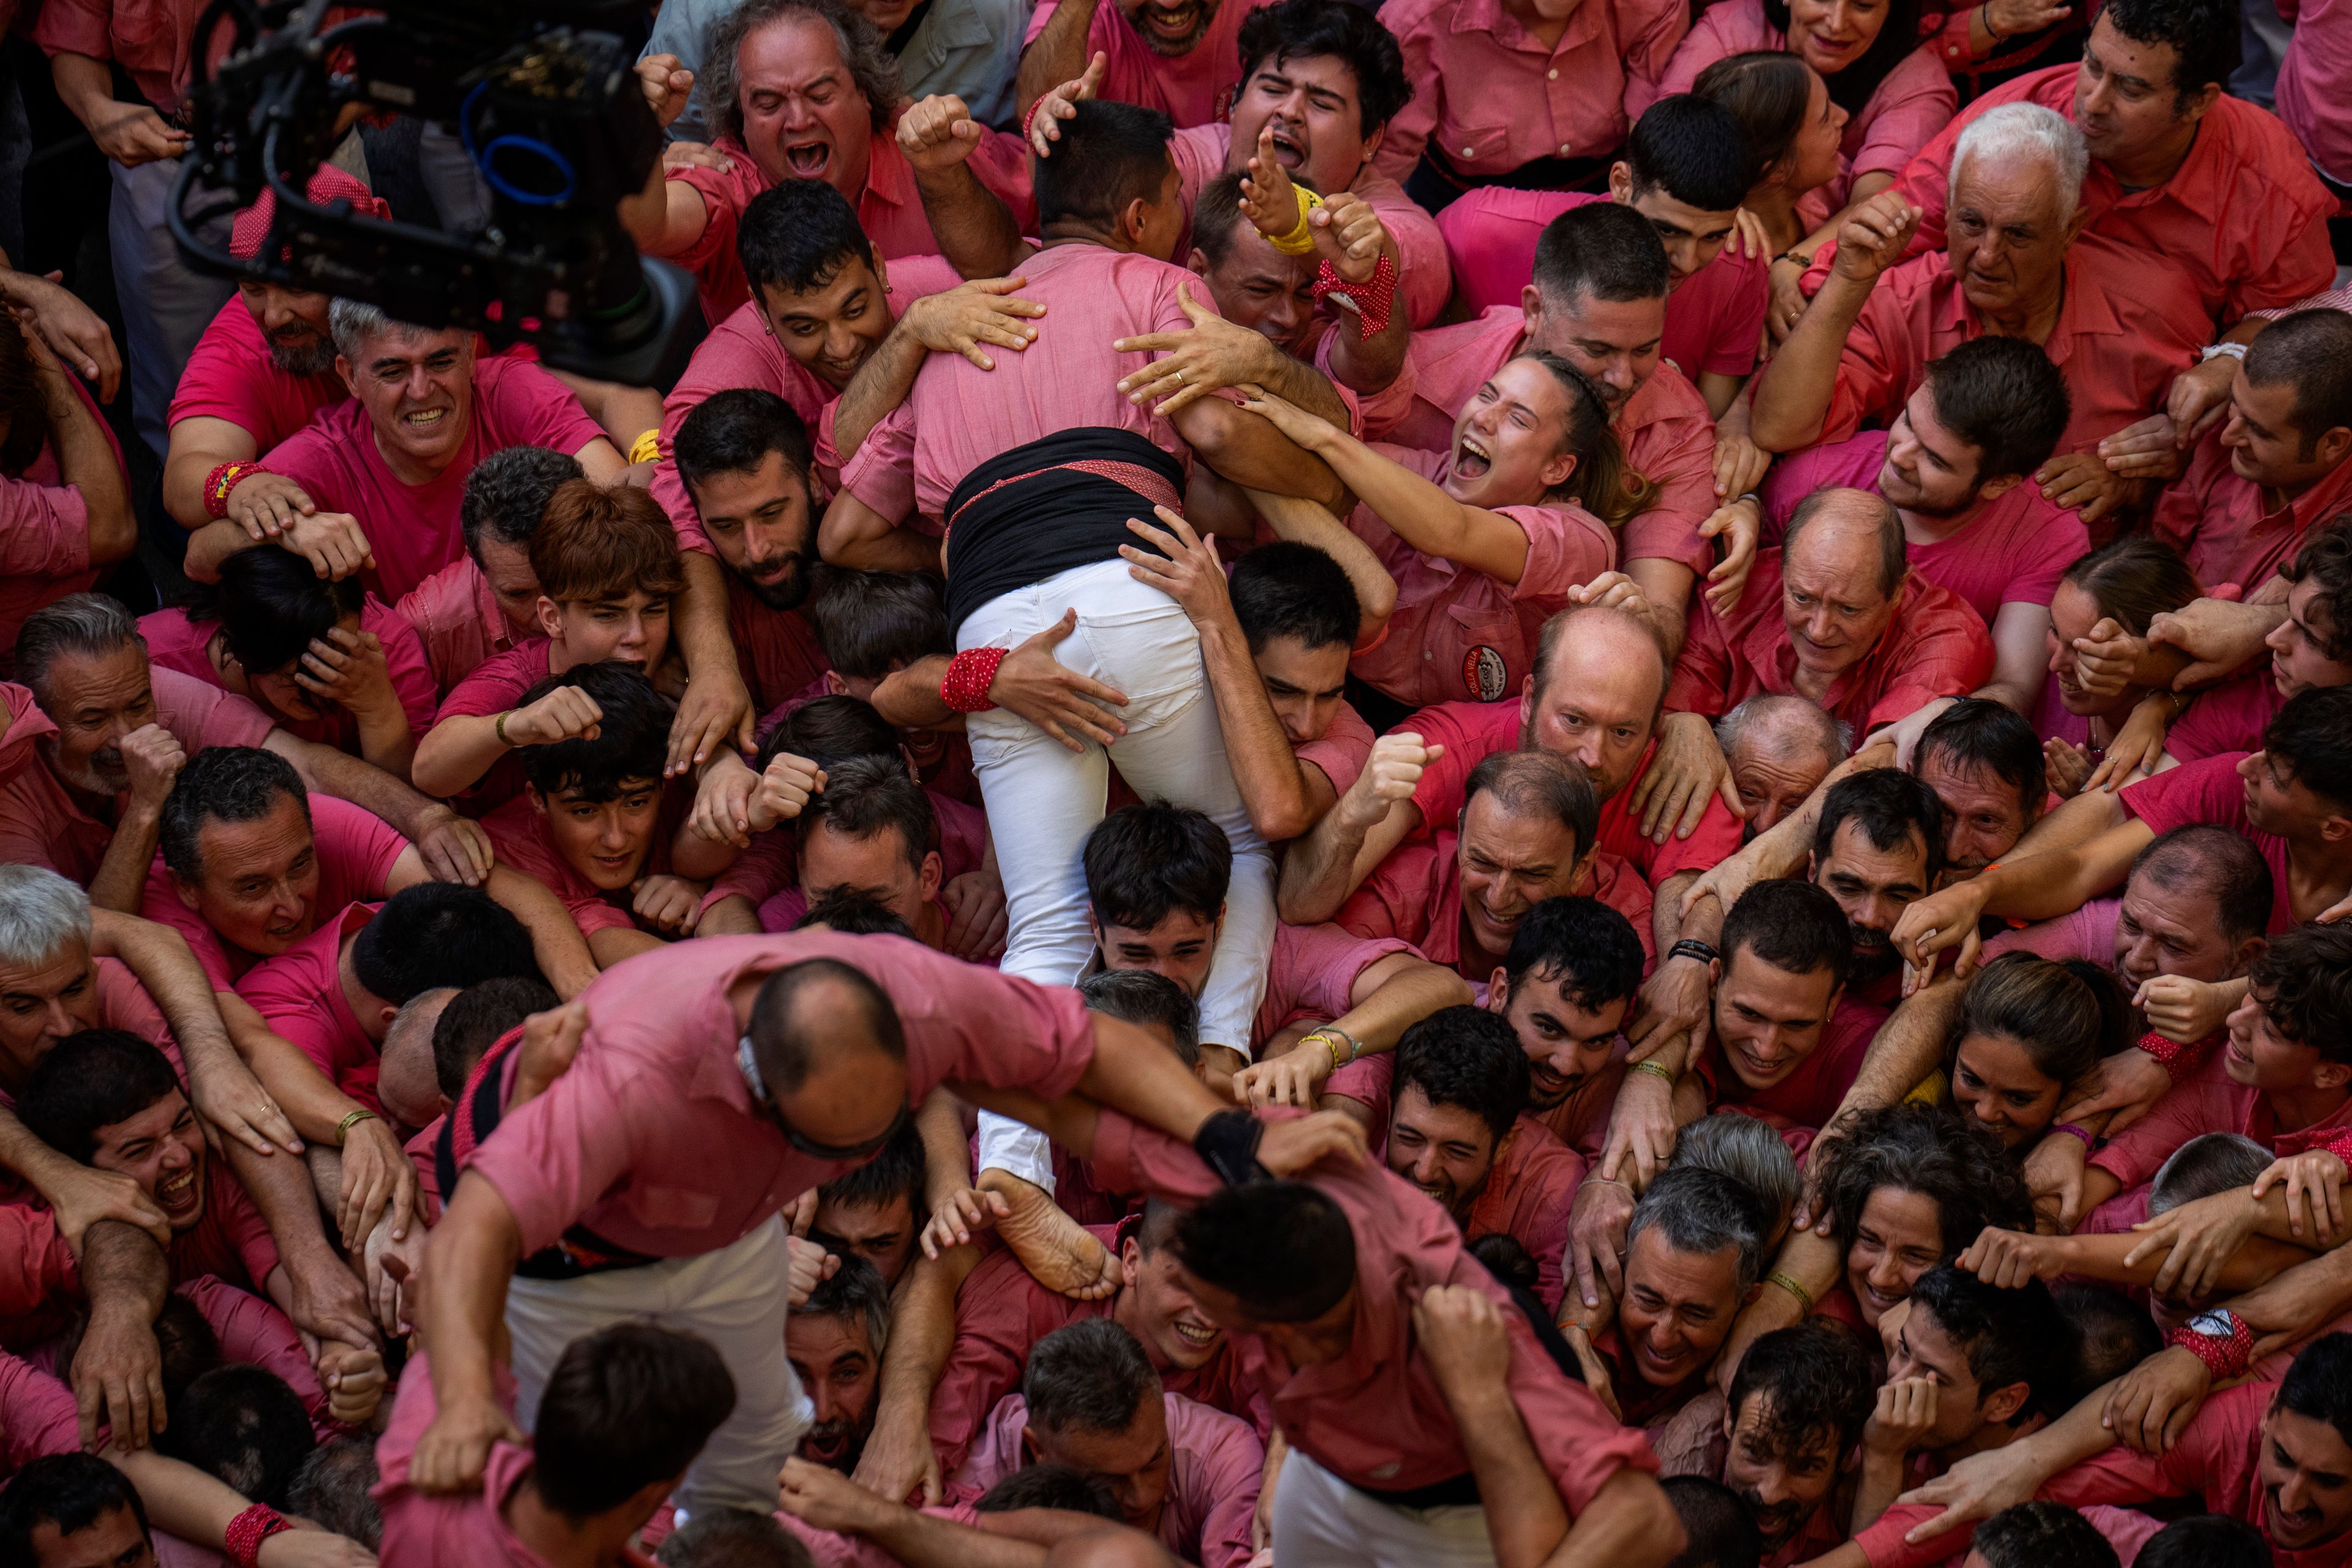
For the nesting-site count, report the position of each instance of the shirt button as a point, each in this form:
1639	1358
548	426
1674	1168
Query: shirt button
1552	75
1563	149
1469	153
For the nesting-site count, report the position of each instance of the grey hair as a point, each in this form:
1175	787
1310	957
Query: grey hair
2209	1164
41	914
1746	1151
2012	131
871	65
1702	1211
351	322
89	624
1785	716
856	1290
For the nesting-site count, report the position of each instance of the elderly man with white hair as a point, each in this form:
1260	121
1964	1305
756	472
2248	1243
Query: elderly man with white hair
2119	322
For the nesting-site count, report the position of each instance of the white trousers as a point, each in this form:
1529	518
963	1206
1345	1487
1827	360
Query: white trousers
733	1298
1321	1522
1044	799
166	304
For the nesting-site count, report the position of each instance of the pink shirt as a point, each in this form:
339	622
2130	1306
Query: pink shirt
38	1415
45	532
1374	1417
889	209
1455	631
2317	71
2225	525
1808	1096
777	653
1415	895
2013	551
1215	1463
2208	1100
2230	717
495	686
1312	975
2129	322
650	1138
1934	646
2087	933
231	376
1191	88
1665	428
175	642
355	850
458	623
153	40
300	994
742	352
1526	1197
2211	791
412	528
1491	96
1342	751
958	415
518	832
42	823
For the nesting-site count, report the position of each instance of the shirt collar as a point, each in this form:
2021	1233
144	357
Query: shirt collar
890	178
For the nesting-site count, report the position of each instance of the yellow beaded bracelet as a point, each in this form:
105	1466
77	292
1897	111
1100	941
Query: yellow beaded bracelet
1301	239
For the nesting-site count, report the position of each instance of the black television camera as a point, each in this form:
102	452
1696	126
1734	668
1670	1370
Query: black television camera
544	101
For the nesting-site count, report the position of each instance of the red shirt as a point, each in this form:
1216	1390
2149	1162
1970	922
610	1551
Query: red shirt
175	642
1340	753
38	1415
412	530
2226	525
45	534
519	834
300	994
1527	1196
2230	717
2013	551
1191	88
458	623
2211	791
1416	894
1934	646
231	376
494	685
1809	1095
2206	1101
2129	322
777	654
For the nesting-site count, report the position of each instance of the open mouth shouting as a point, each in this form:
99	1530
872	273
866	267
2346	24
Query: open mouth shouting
1288	150
1472	460
807	160
178	1198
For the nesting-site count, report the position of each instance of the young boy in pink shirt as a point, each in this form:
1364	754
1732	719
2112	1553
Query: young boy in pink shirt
487	603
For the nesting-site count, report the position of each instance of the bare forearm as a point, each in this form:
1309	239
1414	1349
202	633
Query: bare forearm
555	939
122	874
1247	450
1628	1524
1792	392
975	230
86	460
334	773
1525	1520
1058	54
1909	1048
310	1102
213	543
1301	521
923	1541
455	752
702	635
910	696
281	1189
1131	1072
125	1271
1420	989
1272	781
1366	365
471	1255
1318	871
181	990
84	85
198	447
881	385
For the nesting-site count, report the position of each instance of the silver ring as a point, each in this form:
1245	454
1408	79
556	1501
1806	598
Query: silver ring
1179	378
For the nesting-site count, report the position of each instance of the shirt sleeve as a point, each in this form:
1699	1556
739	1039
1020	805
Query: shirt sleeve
75	27
1387	904
882	473
404	663
35	1265
38	1414
528	407
356	845
43	530
2059	541
1678	457
490	688
2207	791
1409	128
514	831
2196	1105
199	715
1915	100
1948	655
1567	545
1229	1473
1343	751
1717	837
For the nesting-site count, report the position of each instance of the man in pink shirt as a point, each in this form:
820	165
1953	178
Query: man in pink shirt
1957	466
1181	59
1787	1040
2119	323
868	834
1693	1250
626	1410
487	602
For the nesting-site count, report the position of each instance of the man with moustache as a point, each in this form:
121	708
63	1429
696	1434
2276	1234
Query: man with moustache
1795	1411
1879	847
835	1341
1178	56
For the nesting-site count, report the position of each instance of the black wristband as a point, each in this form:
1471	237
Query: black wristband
1227	1145
1691	947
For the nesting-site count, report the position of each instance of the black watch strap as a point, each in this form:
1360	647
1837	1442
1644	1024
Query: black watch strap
1227	1145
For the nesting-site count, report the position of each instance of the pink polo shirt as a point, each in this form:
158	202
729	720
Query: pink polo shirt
2211	791
175	642
2317	71
1339	753
742	352
2206	1101
1215	1464
1665	428
1312	975
1374	1417
1808	1096
1473	732
458	623
650	1138
1455	631
355	850
495	686
231	376
412	528
300	994
958	415
1526	1197
1191	88
2129	322
2244	215
1934	646
889	209
42	823
2087	933
2230	717
1491	96
2226	527
1415	896
153	40
2013	551
38	1415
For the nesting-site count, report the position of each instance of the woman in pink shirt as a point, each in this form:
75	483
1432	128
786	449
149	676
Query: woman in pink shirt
1485	540
1795	131
2121	586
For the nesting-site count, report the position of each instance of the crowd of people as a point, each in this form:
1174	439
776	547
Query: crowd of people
1520	781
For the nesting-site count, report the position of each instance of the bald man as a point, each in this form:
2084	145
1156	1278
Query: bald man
1778	749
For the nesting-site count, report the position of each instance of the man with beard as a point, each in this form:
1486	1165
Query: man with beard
1796	1409
1880	846
1779	749
835	1341
484	603
1181	57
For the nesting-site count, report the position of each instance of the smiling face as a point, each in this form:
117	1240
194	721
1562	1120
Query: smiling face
1446	1151
2006	238
1510	441
1678	1307
417	387
1830	35
1258	286
2266	446
1780	1488
1510	863
41	1005
95	701
2298	644
1313	103
1812	160
2123	100
1928	469
294	323
2306	1469
259	882
1313	1342
1983	818
832	328
163	1150
834	1360
1305	685
1768	1020
1614	342
1169	27
2258	1055
604	841
1899	1236
1565	1044
2000	1090
805	116
1162	1315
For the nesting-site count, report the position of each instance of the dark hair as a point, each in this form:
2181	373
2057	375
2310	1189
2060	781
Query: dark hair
2219	863
2203	35
1815	1383
271	605
1603	482
1110	156
731	1538
595	545
1506	1259
828	729
243	1427
2205	1541
1050	1486
223	783
1924	1149
1283	1248
2009	1336
2209	1164
333	1488
1694	149
869	623
869	60
1978	732
2312	734
2327	559
2003	397
2312	352
1852	88
1087	1376
505	494
474	1020
1702	1211
1305	30
624	1406
732	432
2041	1535
1589	948
788	1035
2319	1385
1217	216
1719	1529
436	935
20	400
2135	579
798	236
1887	805
1147	862
855	1293
1539	783
88	1080
1601	250
1139	997
2113	1332
1792	926
70	1491
2304	981
2066	1014
1893	561
1467	1056
897	1171
1768	92
852	914
631	743
1289	590
865	797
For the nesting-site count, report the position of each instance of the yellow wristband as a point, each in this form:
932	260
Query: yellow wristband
1301	239
1804	1297
1327	1042
351	1119
647	448
1654	1070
